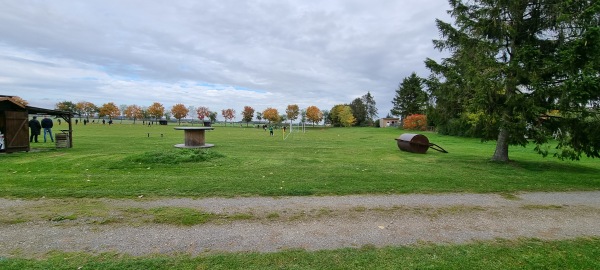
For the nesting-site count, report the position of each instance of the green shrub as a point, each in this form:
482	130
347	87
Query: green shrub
175	156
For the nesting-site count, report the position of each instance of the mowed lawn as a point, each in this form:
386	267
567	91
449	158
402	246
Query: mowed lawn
127	160
123	160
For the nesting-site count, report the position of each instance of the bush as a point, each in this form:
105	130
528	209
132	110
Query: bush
469	125
415	122
456	127
174	156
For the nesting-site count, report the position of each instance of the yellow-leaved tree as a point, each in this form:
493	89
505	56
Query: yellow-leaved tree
271	114
134	112
179	111
109	109
345	117
86	109
292	112
156	110
314	114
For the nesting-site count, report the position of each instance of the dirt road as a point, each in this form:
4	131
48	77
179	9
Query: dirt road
271	224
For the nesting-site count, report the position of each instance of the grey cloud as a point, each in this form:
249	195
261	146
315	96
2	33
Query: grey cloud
326	52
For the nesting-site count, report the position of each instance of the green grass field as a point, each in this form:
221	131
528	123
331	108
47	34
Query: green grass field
121	161
499	254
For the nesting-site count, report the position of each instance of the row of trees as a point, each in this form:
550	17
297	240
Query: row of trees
292	112
518	72
180	111
361	112
88	110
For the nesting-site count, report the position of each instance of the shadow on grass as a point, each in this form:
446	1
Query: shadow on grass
540	166
544	165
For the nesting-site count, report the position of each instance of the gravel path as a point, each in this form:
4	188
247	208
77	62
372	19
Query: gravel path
310	223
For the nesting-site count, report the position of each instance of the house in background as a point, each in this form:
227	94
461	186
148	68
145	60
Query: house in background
389	122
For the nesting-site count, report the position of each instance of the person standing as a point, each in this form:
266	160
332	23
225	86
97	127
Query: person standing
270	130
35	127
47	126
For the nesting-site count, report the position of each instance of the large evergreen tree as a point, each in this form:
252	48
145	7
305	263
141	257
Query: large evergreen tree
370	107
359	111
451	96
520	59
410	97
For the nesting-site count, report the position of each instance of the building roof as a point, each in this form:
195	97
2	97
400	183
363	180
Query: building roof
8	99
35	110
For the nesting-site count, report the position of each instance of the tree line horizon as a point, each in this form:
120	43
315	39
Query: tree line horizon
360	112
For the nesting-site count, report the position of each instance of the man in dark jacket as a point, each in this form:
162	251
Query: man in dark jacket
47	126
35	126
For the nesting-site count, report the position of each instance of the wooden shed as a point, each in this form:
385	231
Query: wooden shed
14	124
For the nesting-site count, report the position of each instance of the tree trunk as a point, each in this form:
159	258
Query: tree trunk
501	153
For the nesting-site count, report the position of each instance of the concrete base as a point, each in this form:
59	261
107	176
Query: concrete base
206	145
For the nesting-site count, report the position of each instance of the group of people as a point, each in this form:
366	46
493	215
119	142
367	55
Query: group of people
270	127
36	128
85	121
46	124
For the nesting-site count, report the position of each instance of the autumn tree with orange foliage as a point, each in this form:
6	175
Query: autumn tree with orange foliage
109	109
228	114
247	114
179	111
156	110
415	122
86	109
271	114
314	114
292	111
134	112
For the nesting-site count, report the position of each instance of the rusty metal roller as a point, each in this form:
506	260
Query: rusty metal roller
416	143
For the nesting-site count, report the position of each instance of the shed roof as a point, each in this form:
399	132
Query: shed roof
35	110
8	99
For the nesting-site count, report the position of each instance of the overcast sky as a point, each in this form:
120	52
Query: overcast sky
219	54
